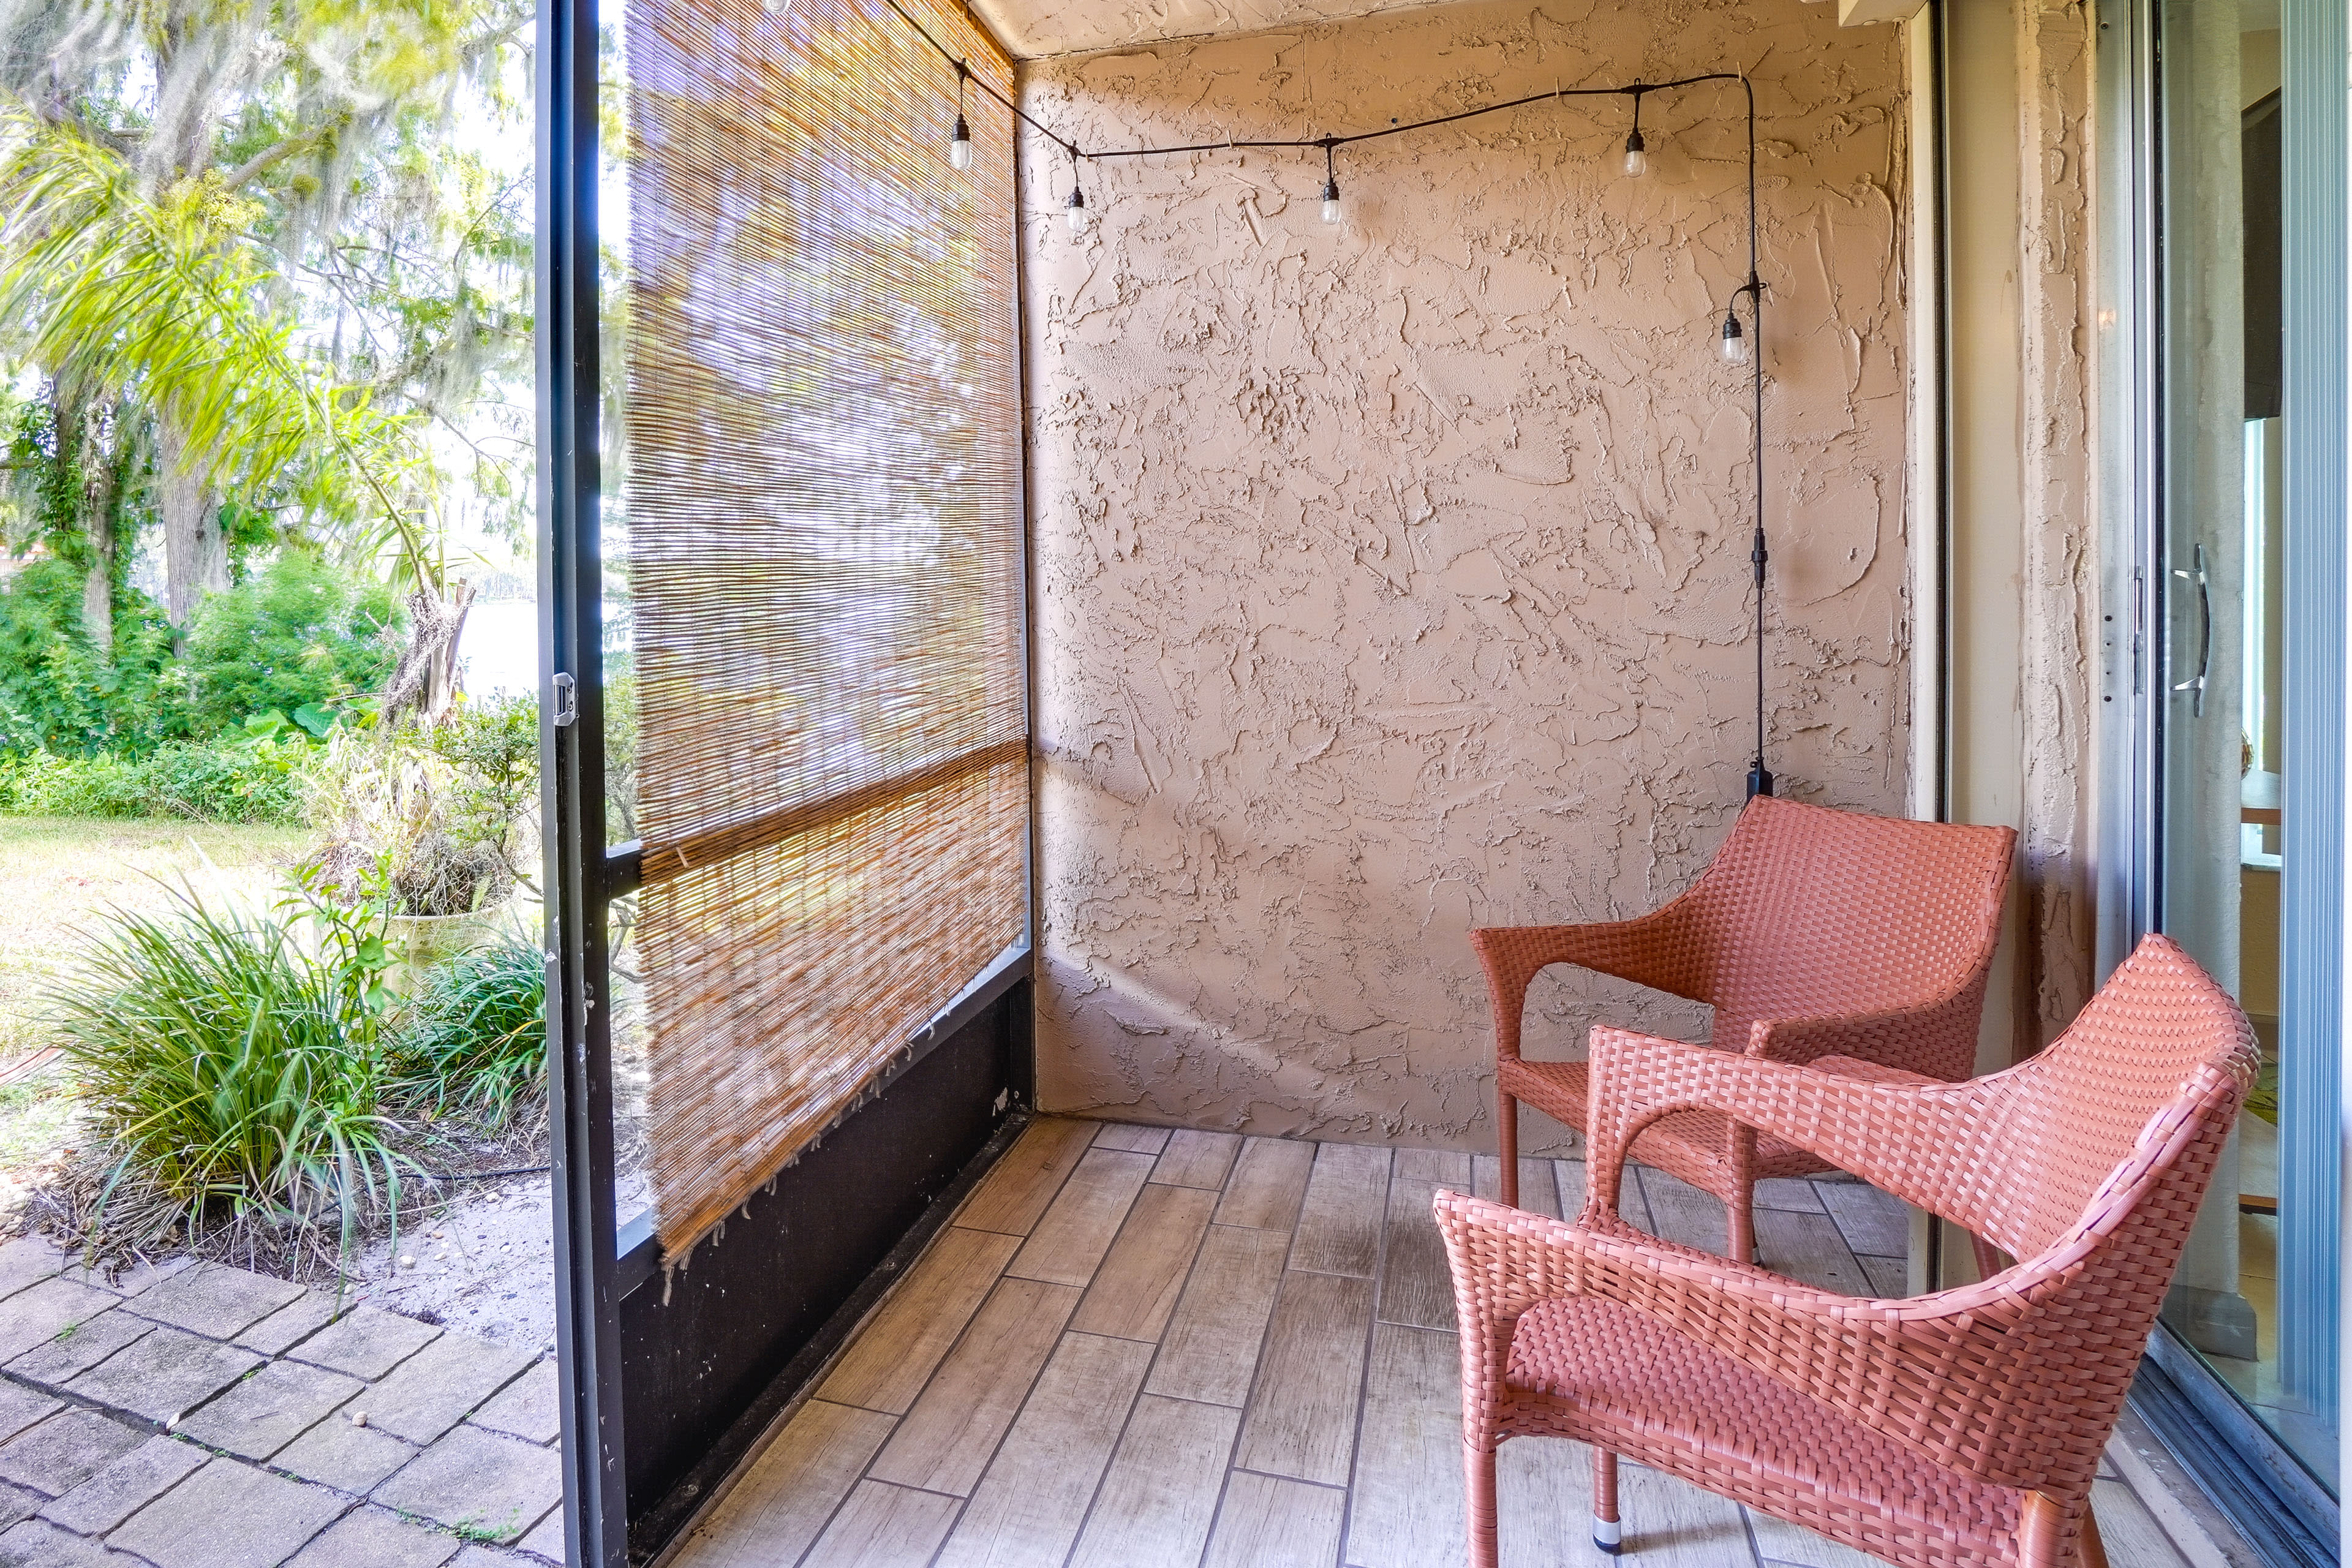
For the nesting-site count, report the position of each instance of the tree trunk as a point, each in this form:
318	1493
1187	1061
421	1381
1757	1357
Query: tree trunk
195	550
79	514
424	682
103	474
98	605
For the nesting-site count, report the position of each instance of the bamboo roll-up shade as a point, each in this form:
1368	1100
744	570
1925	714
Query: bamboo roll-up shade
824	550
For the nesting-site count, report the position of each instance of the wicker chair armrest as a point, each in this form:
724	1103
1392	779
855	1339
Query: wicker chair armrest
1878	1130
1936	1035
1648	950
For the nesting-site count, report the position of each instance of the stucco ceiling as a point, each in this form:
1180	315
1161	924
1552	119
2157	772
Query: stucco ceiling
1036	29
1032	29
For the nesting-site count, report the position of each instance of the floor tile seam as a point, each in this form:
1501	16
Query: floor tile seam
956	1219
1364	1377
126	1519
949	1354
495	1431
1257	1365
1224	1486
1341	1487
865	1471
59	1274
1111	1462
1199	1241
995	1449
1363	1370
350	1506
863	1474
1862	1274
813	1389
122	1307
1191	1270
438	1335
1088	1283
1747	1533
1190	1187
83	1401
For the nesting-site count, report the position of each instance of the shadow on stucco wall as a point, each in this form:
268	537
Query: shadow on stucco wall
1391	578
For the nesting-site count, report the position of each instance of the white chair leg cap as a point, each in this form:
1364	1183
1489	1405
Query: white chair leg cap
1609	1535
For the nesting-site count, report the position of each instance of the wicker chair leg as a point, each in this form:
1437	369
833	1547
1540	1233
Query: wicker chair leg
1506	1140
1608	1531
1478	1477
2088	1546
1739	1221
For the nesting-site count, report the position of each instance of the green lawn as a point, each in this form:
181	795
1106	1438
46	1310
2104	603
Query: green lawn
61	874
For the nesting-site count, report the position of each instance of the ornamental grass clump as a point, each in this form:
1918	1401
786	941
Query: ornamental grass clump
477	1042
232	1071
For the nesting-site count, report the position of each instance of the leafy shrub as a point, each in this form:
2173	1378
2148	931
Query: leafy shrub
58	693
257	780
439	809
492	745
233	1071
297	639
296	634
477	1035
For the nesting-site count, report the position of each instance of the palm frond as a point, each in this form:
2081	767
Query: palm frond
170	294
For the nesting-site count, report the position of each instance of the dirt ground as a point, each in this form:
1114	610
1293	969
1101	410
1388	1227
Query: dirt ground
484	1263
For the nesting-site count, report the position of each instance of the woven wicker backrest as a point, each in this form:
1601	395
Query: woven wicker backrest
2099	1248
1807	912
823	525
2154	1038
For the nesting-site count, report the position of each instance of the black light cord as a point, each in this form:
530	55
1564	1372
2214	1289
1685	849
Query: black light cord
1759	778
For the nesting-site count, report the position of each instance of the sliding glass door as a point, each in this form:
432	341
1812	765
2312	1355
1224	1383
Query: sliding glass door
2235	686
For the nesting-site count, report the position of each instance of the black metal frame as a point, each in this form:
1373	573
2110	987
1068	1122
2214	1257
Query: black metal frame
571	788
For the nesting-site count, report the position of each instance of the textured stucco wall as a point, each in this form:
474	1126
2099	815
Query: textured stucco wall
1394	580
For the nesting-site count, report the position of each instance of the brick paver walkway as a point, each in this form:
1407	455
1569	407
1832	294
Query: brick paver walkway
199	1417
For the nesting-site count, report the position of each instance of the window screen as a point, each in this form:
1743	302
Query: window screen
822	490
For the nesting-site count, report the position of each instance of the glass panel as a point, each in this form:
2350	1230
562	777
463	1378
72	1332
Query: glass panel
2222	718
613	424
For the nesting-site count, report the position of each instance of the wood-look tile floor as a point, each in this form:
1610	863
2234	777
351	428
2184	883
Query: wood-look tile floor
1147	1349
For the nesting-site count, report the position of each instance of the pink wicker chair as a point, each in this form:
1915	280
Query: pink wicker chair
1960	1428
1856	944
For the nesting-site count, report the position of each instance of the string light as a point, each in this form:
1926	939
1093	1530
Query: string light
960	149
1077	208
1737	346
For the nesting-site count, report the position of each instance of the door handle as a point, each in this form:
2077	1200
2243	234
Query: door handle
2195	684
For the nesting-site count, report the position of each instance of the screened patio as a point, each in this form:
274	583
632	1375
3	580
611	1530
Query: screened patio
1088	550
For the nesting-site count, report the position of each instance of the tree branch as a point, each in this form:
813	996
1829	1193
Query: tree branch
261	162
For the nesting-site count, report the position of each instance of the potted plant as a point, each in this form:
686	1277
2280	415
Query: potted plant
437	818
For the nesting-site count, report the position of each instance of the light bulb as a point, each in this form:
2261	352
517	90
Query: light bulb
1637	157
960	149
1330	201
1734	341
1077	210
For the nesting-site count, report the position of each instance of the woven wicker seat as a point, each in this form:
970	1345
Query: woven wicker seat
1857	943
1960	1428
